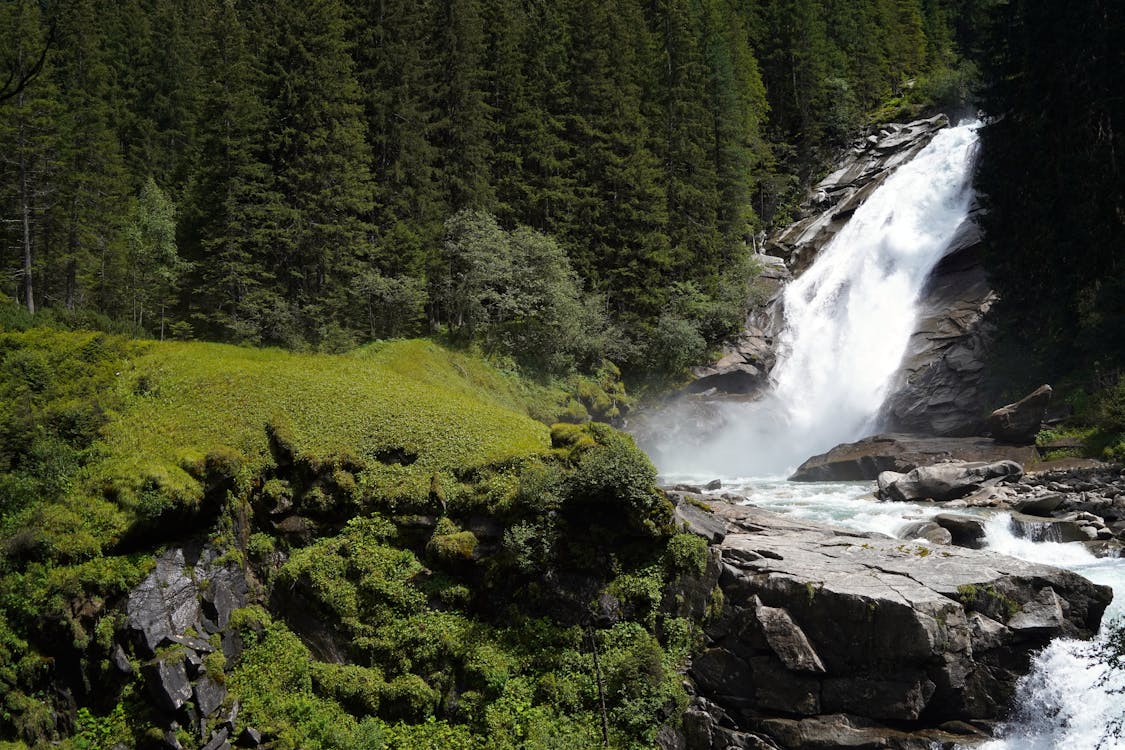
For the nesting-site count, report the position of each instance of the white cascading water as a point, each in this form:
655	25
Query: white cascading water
1071	697
848	320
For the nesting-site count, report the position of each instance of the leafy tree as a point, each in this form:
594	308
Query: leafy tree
150	239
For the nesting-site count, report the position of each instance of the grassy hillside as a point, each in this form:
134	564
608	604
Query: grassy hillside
455	548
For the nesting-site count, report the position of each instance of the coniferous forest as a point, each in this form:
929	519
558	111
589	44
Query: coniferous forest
316	174
441	236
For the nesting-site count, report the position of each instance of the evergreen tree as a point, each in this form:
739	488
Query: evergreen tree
320	159
30	165
465	128
619	242
393	50
86	266
234	210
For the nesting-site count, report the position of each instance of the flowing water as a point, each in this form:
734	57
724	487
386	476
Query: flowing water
848	320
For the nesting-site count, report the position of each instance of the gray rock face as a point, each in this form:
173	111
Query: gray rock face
946	481
743	369
188	589
1020	422
964	531
828	638
940	388
168	684
171	599
744	366
868	458
835	198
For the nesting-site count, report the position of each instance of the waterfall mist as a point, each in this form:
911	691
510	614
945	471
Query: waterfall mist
848	321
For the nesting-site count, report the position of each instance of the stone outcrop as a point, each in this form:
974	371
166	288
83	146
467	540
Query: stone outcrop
946	481
1077	505
940	388
743	369
175	618
1020	422
868	458
835	198
833	638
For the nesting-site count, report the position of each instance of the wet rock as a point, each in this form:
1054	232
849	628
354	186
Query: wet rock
940	388
964	531
830	623
947	481
930	531
867	458
714	484
1039	529
1020	422
1037	505
833	200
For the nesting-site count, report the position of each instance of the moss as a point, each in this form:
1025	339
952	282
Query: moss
452	548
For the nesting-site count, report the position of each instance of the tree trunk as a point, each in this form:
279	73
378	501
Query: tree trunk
25	211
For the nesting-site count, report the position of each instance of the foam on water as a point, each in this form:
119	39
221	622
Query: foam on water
1070	696
848	320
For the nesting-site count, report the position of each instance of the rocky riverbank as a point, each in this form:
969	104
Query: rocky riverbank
1084	505
831	638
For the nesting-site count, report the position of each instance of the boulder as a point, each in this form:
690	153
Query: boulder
842	639
1039	529
940	387
869	457
692	518
964	531
928	530
1020	422
168	684
209	695
1037	505
947	481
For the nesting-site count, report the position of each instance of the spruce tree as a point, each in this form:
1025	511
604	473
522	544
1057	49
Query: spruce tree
234	211
320	158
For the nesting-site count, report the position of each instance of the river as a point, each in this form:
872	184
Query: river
848	320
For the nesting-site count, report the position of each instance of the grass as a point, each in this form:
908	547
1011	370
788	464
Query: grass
187	400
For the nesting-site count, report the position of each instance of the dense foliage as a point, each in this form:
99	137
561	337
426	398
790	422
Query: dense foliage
114	449
292	173
1053	183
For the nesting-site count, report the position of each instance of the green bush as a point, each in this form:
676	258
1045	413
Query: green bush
687	554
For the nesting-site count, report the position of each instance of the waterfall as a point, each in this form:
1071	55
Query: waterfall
848	320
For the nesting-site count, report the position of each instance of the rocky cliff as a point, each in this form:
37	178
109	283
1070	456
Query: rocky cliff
940	389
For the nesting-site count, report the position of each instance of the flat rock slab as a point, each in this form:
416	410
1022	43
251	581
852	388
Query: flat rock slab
821	621
867	458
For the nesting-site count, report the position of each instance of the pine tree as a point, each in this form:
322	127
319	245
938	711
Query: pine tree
393	50
87	266
465	128
233	212
619	241
29	167
320	158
